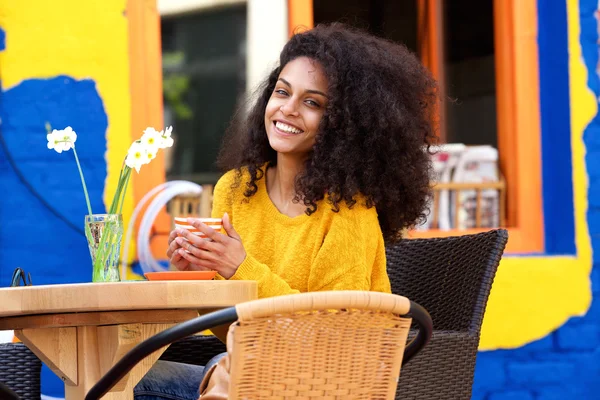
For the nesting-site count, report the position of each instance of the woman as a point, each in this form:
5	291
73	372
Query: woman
330	163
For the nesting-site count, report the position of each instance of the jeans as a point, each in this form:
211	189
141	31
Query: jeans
173	381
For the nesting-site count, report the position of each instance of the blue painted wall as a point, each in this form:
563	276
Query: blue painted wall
63	62
51	246
42	205
565	364
555	118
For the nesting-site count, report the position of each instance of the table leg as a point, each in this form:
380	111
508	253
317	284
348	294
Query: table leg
87	361
56	347
137	373
82	355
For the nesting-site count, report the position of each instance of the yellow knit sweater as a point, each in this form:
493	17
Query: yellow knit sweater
285	255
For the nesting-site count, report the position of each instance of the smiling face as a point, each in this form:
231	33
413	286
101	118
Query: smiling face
296	107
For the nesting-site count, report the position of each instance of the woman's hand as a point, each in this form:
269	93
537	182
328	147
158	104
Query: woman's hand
224	254
175	257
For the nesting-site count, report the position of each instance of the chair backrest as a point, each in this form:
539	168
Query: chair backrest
20	371
192	205
451	277
319	345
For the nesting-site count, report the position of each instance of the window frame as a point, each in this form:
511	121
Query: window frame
145	82
519	129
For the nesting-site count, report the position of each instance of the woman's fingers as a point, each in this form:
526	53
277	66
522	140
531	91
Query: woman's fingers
201	251
204	244
179	262
184	238
173	246
208	231
187	236
172	236
231	232
195	263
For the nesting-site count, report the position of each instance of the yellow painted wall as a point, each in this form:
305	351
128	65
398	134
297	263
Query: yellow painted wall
87	39
533	296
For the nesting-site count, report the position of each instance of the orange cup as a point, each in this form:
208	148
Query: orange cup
214	223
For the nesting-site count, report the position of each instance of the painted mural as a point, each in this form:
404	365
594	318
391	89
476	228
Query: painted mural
562	363
67	63
63	63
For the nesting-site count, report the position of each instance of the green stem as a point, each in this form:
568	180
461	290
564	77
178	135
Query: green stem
115	201
128	174
85	192
115	204
99	273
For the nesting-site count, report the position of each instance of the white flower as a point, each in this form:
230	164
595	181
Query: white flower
144	150
62	140
151	138
151	153
165	139
137	156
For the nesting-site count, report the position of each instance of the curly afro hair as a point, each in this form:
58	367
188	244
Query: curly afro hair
375	135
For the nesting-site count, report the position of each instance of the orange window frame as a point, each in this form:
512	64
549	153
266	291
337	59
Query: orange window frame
518	109
146	87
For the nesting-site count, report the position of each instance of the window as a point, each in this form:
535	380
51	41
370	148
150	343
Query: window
502	84
472	49
204	78
469	72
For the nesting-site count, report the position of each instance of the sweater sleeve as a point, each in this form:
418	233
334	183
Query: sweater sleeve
222	196
351	249
223	200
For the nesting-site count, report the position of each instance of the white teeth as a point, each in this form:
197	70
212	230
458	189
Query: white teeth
286	128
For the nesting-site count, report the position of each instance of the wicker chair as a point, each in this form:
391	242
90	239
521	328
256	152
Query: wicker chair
19	372
451	278
338	345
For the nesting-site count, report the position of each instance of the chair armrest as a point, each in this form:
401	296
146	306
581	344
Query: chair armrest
422	319
7	394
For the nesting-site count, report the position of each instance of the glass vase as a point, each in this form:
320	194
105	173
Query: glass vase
104	233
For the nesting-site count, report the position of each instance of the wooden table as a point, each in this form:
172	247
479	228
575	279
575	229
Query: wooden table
81	330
